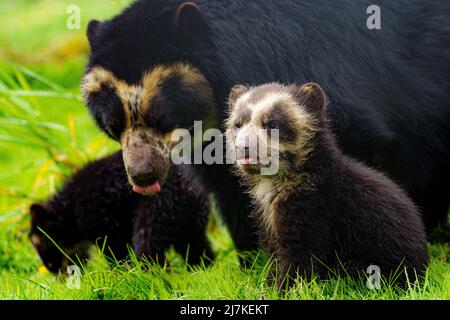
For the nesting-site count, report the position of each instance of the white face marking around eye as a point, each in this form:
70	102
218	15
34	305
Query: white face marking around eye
267	102
270	100
136	97
94	79
132	97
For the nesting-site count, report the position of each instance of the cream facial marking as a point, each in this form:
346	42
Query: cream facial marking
134	100
250	132
137	98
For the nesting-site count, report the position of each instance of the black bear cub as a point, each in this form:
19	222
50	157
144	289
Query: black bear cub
320	212
98	202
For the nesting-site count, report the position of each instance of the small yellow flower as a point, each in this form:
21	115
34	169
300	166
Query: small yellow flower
43	270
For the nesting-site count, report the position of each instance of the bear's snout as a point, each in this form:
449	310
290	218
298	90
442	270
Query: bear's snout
146	160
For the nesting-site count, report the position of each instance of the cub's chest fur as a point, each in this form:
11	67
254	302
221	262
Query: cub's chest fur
268	195
264	197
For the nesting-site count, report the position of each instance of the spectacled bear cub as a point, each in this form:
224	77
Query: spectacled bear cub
161	64
321	210
98	202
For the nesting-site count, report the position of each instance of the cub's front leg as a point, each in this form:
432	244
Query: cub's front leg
303	240
147	241
291	268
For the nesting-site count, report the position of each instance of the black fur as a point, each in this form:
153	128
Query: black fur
98	202
354	217
389	89
330	213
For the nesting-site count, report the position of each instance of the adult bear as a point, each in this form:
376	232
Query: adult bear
161	64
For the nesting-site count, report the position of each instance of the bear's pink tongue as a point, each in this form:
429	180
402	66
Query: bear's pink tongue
153	188
246	161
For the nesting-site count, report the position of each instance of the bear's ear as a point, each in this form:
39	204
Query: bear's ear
312	96
38	212
237	91
188	22
92	28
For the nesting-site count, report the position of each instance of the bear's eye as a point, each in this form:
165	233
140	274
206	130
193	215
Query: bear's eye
237	124
272	125
107	109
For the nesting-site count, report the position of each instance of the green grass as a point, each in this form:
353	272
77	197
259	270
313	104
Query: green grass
46	134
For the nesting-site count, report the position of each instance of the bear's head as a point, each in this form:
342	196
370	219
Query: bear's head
142	83
52	239
274	126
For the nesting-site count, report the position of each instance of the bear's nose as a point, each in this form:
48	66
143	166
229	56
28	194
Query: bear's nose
142	179
243	147
141	173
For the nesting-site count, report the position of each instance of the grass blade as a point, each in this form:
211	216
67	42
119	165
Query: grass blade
26	123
